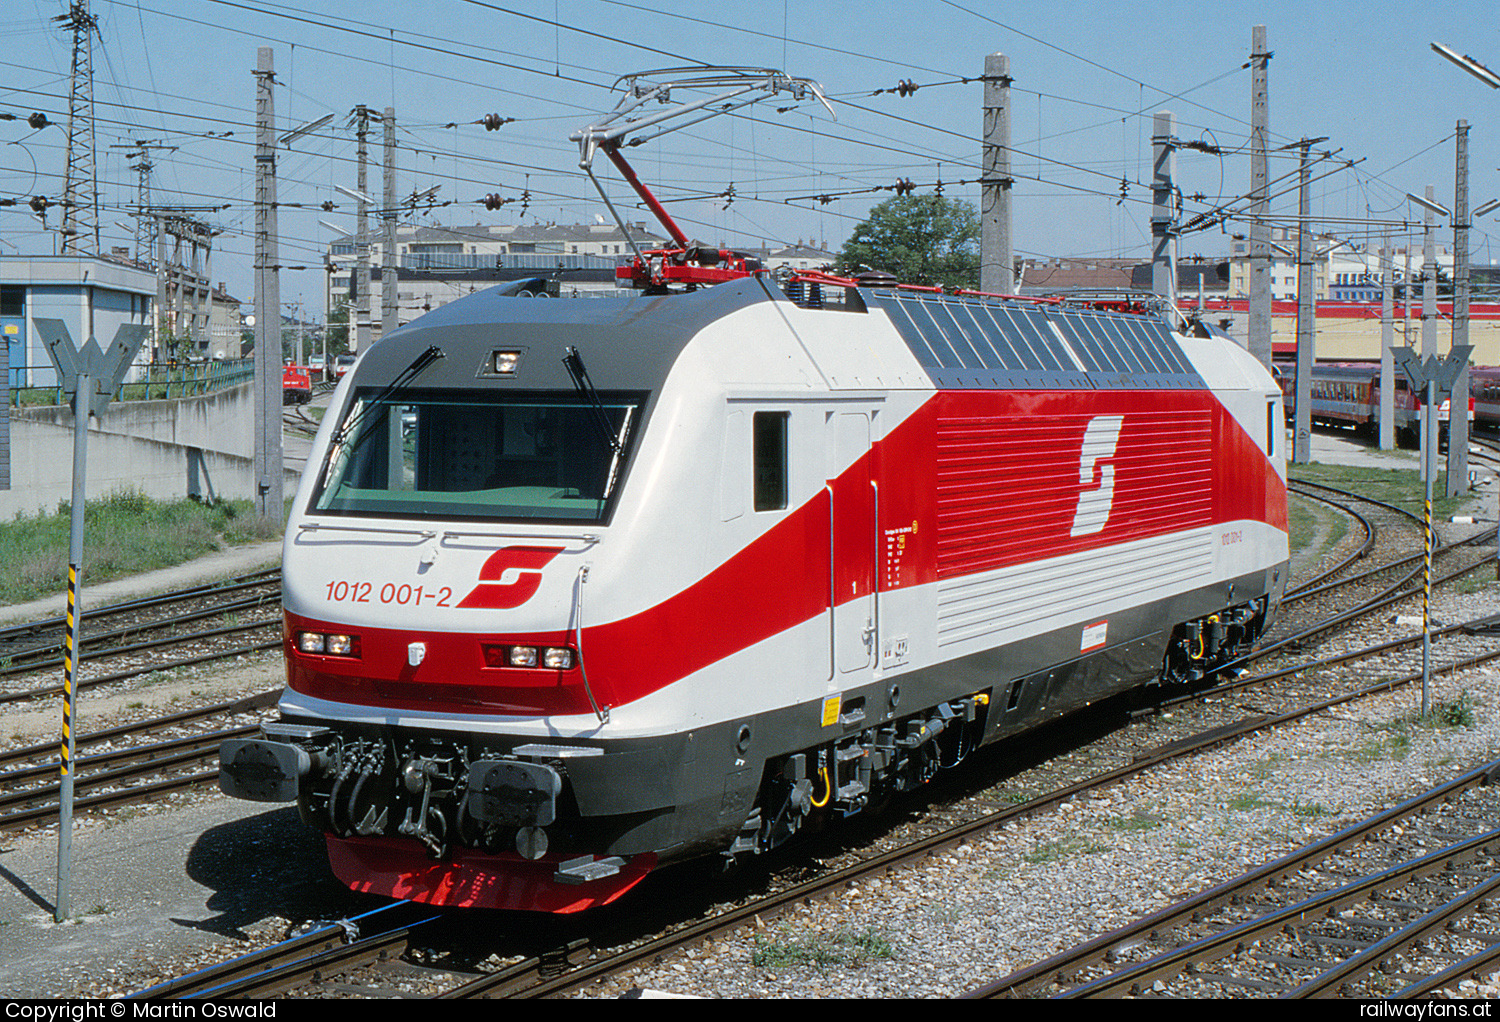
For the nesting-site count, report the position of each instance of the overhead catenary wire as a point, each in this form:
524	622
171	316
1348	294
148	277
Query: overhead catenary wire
694	174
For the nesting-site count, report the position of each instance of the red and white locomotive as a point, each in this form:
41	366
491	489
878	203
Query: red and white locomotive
613	582
575	588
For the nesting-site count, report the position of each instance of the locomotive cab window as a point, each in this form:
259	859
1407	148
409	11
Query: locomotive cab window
457	454
769	460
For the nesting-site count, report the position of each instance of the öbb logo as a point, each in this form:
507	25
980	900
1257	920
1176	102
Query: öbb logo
510	577
1097	499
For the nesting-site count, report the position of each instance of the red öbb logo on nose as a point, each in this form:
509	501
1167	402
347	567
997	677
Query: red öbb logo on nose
523	563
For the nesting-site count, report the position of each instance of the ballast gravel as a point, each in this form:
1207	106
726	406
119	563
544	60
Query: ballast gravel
1035	888
955	922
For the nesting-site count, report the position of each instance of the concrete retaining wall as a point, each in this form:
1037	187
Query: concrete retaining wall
201	446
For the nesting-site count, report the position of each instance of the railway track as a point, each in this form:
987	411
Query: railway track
126	764
524	978
1399	905
142	636
151	756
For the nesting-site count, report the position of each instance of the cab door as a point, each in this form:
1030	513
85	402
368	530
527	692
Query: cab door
852	542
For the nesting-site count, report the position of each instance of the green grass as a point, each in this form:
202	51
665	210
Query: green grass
1306	517
1246	801
1066	848
1402	487
124	534
822	950
1139	821
1451	713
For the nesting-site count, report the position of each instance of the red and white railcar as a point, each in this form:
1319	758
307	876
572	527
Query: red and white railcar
1348	394
576	588
1484	396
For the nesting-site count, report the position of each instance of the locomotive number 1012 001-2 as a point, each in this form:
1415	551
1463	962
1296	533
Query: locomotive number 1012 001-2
401	594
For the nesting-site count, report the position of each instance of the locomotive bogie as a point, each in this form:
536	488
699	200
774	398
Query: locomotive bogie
781	564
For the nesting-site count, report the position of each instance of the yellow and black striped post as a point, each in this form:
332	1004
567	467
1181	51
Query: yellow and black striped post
81	398
1429	464
1426	593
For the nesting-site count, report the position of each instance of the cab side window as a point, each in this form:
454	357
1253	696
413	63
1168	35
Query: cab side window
769	431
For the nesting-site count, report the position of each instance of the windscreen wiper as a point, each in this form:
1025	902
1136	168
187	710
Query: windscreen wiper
347	429
585	387
402	379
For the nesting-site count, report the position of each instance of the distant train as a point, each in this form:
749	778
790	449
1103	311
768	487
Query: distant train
1484	396
296	385
1348	394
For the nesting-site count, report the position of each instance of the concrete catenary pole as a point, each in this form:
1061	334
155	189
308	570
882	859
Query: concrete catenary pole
1306	324
997	266
1163	203
1260	205
362	234
1387	338
388	260
1458	414
268	470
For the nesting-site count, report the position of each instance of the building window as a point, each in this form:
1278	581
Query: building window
12	300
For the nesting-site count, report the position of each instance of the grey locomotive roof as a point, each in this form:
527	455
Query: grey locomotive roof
631	343
626	343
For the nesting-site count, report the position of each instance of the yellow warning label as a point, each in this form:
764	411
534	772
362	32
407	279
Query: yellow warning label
831	710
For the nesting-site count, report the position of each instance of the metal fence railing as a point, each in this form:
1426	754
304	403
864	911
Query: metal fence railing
157	381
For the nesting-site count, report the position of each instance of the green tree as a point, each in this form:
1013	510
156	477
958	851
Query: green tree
921	239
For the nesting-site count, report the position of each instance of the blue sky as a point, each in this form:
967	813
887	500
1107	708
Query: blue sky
1088	78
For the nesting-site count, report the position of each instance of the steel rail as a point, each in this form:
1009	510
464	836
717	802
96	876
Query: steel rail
31	665
1475	967
1385	599
164	599
185	752
1023	981
1332	982
1129	980
108	800
259	701
1359	554
226	978
162	665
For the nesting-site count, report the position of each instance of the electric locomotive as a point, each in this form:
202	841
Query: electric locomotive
576	588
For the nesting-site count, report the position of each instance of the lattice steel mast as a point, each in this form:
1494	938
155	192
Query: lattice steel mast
80	228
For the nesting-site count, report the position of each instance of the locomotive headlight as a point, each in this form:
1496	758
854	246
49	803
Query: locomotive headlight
523	656
558	658
505	363
318	644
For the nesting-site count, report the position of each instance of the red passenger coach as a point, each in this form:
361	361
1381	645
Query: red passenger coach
1484	396
576	589
1348	394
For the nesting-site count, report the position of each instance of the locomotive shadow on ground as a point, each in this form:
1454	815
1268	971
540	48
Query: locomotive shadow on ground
272	865
267	865
673	893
